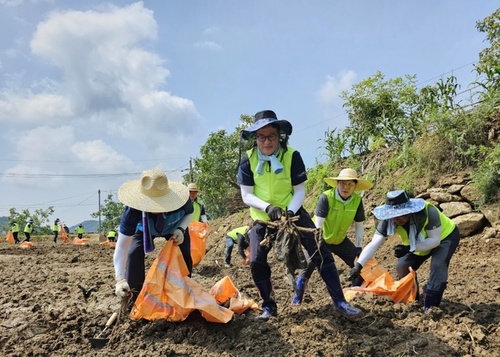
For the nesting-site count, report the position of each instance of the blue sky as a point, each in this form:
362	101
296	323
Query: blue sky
92	92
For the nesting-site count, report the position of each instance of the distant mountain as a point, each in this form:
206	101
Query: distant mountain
90	226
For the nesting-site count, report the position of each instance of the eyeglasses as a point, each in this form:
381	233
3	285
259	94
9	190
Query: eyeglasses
262	138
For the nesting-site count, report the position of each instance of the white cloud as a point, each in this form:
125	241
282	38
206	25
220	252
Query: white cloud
209	45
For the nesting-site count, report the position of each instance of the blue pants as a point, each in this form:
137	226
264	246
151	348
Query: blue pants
320	256
440	261
136	271
229	249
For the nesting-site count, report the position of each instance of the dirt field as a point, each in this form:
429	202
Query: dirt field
44	312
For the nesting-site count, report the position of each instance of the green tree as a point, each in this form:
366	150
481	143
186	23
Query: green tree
41	221
215	170
489	58
379	108
111	214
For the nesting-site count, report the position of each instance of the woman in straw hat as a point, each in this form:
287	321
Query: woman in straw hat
199	214
425	233
155	207
272	178
337	209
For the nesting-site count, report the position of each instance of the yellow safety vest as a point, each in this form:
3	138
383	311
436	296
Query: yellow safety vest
277	189
340	216
234	233
447	226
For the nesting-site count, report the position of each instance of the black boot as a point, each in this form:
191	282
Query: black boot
431	298
269	307
267	312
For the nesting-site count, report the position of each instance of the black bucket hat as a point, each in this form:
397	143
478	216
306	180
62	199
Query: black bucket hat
263	118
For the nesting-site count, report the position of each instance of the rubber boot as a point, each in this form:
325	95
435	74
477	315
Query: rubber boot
431	298
300	288
343	308
269	307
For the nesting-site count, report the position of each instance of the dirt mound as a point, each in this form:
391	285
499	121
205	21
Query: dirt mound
45	312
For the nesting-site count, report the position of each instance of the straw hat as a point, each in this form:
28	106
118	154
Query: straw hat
193	188
263	118
153	193
347	175
397	204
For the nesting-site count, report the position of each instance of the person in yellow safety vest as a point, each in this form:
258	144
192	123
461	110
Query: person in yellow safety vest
272	178
337	209
199	214
425	233
236	235
15	232
55	229
111	235
28	229
80	231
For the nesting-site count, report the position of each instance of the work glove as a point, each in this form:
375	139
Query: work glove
401	250
274	212
178	236
122	289
290	213
355	272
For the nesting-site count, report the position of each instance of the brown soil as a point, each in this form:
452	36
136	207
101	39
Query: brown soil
44	312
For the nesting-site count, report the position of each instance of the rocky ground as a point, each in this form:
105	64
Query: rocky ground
44	312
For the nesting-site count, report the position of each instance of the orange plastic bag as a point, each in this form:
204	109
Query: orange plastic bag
10	237
80	241
223	290
198	232
63	235
26	245
378	281
107	242
169	294
239	305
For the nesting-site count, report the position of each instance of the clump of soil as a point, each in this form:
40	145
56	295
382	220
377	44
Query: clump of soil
44	312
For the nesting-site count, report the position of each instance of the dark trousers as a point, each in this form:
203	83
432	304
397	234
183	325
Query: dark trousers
229	249
136	270
440	261
16	239
346	251
56	233
28	236
320	256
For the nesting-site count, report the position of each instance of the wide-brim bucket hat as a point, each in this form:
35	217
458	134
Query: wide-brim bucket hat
153	192
349	175
397	204
263	118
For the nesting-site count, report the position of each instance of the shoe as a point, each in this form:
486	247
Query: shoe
300	288
344	309
266	315
227	265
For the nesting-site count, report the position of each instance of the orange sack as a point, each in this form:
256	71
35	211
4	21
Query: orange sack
10	237
198	232
378	281
169	294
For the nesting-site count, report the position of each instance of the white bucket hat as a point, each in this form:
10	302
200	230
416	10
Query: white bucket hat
153	193
349	175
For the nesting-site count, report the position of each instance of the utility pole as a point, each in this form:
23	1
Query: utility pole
99	194
191	169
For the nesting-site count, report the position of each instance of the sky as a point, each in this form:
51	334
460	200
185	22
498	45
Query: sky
92	93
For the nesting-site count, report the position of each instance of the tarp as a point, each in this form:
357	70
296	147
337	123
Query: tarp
198	232
107	242
80	241
168	293
26	245
380	282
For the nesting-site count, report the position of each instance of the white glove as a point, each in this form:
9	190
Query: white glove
178	236
122	289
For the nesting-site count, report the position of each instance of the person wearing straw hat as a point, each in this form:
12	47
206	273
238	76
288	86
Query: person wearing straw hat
154	207
425	233
337	209
272	178
199	214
